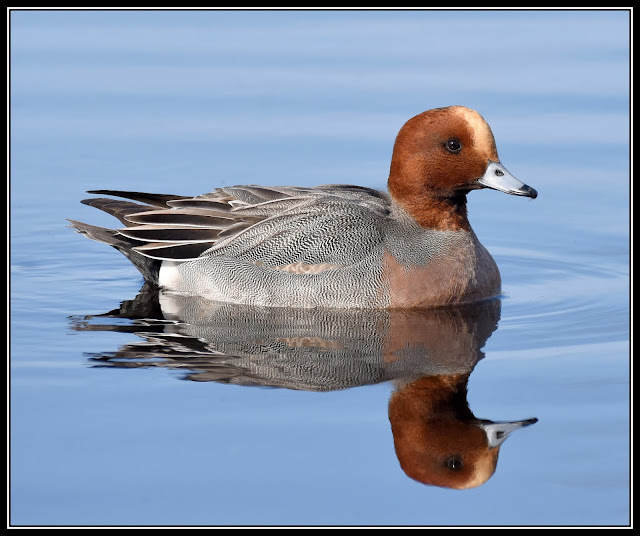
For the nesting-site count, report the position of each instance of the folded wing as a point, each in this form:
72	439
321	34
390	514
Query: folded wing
291	228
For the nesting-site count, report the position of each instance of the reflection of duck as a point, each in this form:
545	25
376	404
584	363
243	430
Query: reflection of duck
329	246
437	438
428	354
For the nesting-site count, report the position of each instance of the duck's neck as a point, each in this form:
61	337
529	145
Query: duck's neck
430	209
441	396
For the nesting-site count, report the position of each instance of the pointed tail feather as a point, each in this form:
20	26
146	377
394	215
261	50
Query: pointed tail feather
148	267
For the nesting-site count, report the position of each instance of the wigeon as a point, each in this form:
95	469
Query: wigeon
335	246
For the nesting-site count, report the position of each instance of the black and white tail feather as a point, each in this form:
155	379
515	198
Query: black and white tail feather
159	227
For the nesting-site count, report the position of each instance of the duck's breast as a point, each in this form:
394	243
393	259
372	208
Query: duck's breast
438	268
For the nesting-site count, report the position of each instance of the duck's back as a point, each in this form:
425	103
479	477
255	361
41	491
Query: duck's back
300	247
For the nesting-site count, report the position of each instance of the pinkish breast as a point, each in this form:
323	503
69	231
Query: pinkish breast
462	274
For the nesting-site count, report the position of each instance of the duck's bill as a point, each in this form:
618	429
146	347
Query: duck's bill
498	178
497	432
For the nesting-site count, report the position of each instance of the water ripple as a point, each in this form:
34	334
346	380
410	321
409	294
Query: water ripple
559	300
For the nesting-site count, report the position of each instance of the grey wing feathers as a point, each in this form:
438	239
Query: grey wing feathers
272	225
158	200
116	207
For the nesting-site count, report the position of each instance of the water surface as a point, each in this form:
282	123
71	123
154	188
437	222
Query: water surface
124	415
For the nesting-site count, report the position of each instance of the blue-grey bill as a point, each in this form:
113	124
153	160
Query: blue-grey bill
497	432
498	178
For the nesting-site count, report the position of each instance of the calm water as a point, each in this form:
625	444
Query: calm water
123	415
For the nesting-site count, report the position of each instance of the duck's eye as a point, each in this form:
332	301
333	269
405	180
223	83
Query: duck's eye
455	463
453	145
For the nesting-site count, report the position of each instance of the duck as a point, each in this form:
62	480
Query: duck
329	246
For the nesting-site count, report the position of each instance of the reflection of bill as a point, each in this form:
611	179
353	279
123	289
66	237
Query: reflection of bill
427	354
437	438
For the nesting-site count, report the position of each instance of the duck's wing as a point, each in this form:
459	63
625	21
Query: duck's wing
271	226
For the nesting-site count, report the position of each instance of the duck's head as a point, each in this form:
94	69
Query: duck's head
441	155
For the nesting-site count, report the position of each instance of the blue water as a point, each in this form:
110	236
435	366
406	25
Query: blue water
184	101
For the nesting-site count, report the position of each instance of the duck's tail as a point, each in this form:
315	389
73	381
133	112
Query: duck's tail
148	267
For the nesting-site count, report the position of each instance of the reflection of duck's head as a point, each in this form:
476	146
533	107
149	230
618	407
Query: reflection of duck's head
438	440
